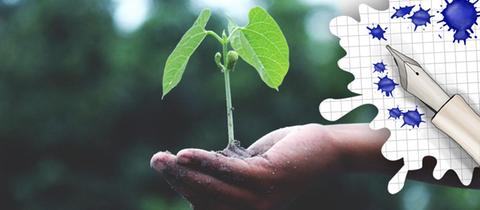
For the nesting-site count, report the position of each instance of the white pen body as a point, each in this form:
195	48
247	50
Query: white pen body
454	116
423	87
461	123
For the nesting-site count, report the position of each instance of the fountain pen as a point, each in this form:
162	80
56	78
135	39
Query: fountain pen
453	115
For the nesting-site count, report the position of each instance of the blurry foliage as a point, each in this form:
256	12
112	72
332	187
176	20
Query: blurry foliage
82	115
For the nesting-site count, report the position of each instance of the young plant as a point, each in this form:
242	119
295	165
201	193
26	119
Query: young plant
261	44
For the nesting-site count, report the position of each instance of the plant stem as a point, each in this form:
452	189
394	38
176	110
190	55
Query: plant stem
216	36
231	137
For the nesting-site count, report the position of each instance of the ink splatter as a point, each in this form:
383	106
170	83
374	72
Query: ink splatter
460	16
380	67
395	113
386	85
412	118
378	32
421	17
402	12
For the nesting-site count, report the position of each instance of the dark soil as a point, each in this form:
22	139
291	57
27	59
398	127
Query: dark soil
235	150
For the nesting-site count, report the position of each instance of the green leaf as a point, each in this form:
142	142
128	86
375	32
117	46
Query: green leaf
262	44
178	60
231	26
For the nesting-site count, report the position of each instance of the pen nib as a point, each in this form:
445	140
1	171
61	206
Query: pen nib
402	61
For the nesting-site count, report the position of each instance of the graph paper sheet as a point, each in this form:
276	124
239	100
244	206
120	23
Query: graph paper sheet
453	65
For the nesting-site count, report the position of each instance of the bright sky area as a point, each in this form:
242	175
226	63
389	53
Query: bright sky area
129	15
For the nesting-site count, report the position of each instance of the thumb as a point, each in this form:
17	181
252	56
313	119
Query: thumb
263	144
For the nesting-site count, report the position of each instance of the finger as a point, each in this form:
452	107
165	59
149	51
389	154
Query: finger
266	142
160	160
197	187
204	190
164	163
231	170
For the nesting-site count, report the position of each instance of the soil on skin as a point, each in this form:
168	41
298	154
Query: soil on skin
236	151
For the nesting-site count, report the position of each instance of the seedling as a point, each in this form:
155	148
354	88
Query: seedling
261	44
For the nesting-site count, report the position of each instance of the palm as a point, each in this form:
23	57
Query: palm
264	181
285	162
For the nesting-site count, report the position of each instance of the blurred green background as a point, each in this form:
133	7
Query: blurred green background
81	108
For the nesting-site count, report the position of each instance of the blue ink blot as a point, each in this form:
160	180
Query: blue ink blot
380	67
386	85
421	17
412	118
395	113
460	16
378	32
402	12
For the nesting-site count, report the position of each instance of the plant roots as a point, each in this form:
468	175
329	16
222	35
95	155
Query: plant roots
235	150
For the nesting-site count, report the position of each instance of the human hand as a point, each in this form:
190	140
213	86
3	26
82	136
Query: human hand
285	163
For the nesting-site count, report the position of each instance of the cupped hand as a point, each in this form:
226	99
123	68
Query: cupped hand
284	162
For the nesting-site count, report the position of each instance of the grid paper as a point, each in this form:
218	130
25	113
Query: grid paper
453	65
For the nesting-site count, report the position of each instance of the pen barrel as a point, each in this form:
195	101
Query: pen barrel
461	123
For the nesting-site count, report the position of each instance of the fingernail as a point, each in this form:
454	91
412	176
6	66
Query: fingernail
158	166
157	162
